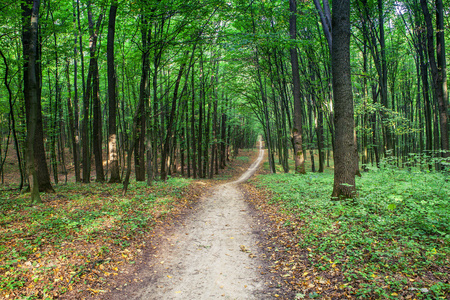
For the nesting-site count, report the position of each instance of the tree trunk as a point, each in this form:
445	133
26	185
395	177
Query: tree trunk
438	69
13	120
165	153
112	101
73	130
223	136
345	149
297	128
425	93
97	126
30	15
96	108
75	127
43	174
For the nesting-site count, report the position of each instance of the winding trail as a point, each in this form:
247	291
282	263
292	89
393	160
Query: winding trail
213	255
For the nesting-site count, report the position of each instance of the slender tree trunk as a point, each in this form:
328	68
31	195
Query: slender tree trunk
374	128
86	87
223	137
165	153
96	109
207	141
425	93
200	132
388	144
139	158
112	101
319	133
97	126
182	149
194	144
73	134
437	66
75	127
188	139
442	75
297	128
13	120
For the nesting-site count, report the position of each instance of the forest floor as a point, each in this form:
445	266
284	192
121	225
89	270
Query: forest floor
86	241
211	253
272	237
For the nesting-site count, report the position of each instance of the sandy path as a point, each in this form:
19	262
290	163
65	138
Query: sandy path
213	255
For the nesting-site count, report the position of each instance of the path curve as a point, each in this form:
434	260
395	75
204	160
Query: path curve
213	255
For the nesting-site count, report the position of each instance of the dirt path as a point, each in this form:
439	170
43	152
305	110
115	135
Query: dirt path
213	255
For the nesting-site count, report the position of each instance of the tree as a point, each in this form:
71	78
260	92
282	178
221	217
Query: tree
112	129
94	93
345	149
32	92
30	40
297	129
438	71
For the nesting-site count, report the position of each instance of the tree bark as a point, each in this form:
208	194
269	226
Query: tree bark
345	149
438	69
297	128
96	108
30	15
192	123
112	101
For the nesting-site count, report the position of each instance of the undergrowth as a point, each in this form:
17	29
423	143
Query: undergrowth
392	241
86	221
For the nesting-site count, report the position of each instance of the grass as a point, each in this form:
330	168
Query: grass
46	248
392	241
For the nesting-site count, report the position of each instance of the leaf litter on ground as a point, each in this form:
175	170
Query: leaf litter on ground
83	238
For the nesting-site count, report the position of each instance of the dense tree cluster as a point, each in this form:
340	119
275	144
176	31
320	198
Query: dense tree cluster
179	86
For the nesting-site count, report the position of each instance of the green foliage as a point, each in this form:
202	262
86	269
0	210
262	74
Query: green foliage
78	213
394	233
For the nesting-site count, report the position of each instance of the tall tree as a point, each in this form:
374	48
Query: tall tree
30	15
297	128
345	150
75	118
112	129
95	94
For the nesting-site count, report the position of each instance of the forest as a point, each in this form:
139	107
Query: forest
127	95
179	86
